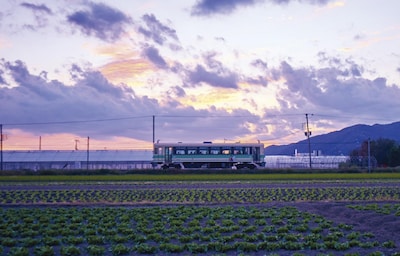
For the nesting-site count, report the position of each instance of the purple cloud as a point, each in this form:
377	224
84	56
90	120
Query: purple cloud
154	56
39	8
156	31
259	63
107	110
217	79
40	13
336	90
100	20
211	7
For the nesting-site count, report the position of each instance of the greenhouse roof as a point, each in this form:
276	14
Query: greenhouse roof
77	155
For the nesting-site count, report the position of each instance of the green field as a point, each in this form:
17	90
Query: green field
205	177
201	214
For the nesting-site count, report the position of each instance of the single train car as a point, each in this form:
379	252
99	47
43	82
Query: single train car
208	155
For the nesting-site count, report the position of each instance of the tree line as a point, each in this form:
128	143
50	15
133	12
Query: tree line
385	151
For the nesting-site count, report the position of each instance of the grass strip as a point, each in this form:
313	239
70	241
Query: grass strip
204	177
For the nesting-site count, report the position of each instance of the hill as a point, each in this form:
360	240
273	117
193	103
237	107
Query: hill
340	142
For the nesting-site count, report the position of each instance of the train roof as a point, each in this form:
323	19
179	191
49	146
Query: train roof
207	144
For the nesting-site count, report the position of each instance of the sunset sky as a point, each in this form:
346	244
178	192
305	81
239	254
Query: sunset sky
207	70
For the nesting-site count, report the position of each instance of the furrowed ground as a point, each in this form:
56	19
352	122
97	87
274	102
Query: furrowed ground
203	215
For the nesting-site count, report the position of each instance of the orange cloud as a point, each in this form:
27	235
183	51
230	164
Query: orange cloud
206	97
125	71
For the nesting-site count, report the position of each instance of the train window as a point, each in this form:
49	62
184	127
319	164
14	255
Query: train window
192	151
215	151
238	151
226	151
179	151
203	151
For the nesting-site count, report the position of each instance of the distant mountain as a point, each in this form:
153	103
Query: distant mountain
340	142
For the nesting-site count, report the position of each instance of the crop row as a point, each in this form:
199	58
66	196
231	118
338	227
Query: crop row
166	230
378	208
223	195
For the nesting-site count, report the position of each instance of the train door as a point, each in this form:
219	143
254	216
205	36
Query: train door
168	155
256	154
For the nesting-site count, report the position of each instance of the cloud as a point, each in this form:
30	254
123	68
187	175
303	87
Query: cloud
337	90
40	12
217	79
211	7
94	107
100	20
156	31
36	100
152	54
260	80
39	8
126	71
259	64
2	80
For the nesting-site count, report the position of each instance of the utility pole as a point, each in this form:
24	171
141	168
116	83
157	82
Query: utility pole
87	154
369	155
308	134
40	142
154	129
1	147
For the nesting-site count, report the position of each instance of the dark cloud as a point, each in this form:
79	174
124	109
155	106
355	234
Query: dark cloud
39	8
217	79
100	20
211	7
154	56
156	31
337	90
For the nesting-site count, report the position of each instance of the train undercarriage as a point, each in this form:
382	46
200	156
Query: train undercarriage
212	165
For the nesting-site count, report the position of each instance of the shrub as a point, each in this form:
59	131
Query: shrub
95	250
389	244
70	250
18	251
173	248
145	249
44	251
119	249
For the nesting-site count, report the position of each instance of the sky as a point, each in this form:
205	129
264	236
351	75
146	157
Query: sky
79	73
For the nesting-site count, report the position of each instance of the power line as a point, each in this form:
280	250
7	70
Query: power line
75	121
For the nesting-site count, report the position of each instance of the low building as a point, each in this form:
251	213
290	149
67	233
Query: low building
76	159
302	161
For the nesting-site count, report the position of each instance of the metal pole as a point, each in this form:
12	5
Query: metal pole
308	138
369	156
87	154
154	129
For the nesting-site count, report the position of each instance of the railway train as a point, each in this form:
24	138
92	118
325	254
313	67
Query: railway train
208	155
